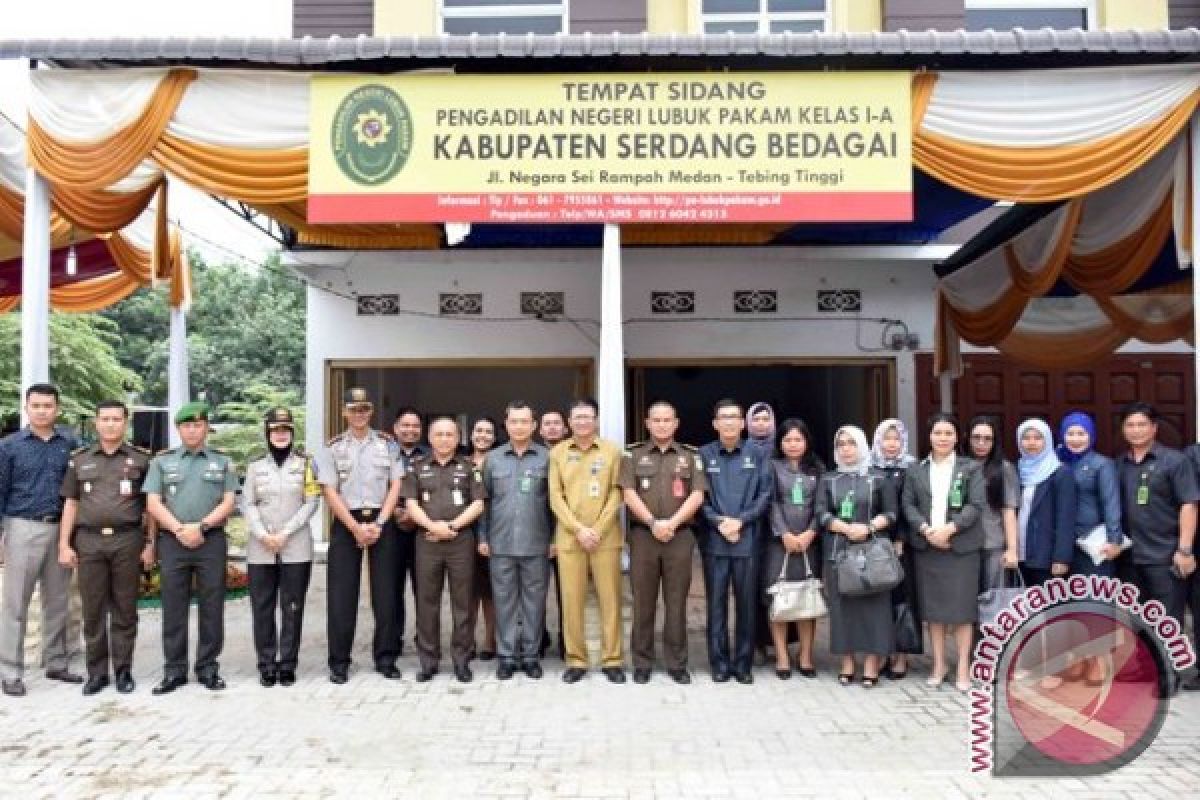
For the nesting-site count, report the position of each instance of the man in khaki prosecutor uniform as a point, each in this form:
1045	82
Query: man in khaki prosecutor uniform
663	483
444	494
190	493
105	533
586	503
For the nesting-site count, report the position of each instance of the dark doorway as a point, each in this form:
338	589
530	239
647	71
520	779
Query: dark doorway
823	395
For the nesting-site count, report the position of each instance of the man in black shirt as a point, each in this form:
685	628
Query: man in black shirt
1158	503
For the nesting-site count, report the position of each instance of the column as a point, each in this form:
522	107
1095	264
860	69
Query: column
178	388
35	284
610	371
1194	164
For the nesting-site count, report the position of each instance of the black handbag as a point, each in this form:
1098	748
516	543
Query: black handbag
867	567
908	632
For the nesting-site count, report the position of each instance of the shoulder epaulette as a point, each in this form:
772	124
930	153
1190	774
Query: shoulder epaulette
334	440
143	450
80	449
633	445
164	452
691	448
299	451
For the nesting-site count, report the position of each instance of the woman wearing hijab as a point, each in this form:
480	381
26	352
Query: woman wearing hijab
891	460
795	472
483	439
1046	516
1096	492
943	503
852	505
278	499
1002	490
760	435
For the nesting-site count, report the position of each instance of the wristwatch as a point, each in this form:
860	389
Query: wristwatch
1186	551
205	527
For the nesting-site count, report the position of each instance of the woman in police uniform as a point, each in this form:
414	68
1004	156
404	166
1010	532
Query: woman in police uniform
278	500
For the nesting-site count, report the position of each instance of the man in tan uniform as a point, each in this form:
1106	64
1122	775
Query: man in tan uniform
444	495
586	502
663	484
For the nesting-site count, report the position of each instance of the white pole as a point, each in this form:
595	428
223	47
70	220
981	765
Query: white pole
178	390
611	369
1194	134
35	285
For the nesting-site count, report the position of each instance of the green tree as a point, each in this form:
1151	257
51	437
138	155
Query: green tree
246	326
83	363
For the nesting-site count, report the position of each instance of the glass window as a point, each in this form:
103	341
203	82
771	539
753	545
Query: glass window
503	16
1003	15
764	16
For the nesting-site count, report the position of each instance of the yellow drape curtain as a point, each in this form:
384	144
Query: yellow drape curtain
1037	279
1046	174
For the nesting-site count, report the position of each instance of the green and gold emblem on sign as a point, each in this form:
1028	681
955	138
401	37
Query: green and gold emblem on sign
372	135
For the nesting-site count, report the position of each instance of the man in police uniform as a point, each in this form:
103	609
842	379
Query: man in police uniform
663	484
190	493
408	430
444	493
359	472
104	532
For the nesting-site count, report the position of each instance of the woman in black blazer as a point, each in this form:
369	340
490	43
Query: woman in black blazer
943	503
1046	516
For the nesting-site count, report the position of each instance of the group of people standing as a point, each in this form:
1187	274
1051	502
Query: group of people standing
493	523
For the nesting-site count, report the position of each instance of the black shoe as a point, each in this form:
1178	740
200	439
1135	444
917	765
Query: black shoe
807	672
745	677
504	671
267	677
614	674
783	674
487	655
169	684
338	676
425	675
463	673
533	670
96	683
125	683
212	681
641	675
573	674
13	688
64	675
287	677
680	676
1192	684
392	673
720	675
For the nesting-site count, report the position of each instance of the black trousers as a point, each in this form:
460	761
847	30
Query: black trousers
180	566
1156	582
724	573
344	583
283	587
406	572
109	569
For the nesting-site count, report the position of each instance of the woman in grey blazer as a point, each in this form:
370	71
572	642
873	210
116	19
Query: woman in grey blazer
943	500
279	498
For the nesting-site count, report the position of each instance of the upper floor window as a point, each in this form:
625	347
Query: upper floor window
504	16
1003	15
764	16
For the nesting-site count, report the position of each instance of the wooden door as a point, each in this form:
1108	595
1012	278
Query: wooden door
992	384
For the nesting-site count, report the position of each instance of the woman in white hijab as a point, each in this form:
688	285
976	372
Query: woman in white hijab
852	505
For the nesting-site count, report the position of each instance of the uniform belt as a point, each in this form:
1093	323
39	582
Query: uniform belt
365	513
108	531
44	518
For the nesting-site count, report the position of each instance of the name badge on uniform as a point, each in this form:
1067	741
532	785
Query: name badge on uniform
526	483
846	512
1143	492
126	487
425	497
594	489
172	488
798	492
87	486
645	484
677	487
457	497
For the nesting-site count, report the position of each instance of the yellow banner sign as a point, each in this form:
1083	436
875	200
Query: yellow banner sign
669	147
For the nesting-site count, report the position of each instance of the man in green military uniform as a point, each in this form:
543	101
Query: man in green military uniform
190	493
663	483
104	532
